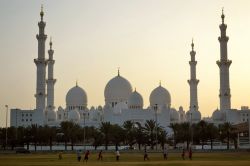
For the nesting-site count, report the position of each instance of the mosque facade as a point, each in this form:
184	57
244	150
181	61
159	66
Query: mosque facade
122	103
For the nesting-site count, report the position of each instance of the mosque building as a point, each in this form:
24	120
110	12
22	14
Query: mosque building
122	103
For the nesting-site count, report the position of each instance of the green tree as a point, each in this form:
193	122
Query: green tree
212	133
117	135
202	130
106	129
175	128
140	135
66	128
97	137
129	129
227	132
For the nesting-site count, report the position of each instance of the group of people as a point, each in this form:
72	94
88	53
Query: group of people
117	154
86	156
165	154
190	153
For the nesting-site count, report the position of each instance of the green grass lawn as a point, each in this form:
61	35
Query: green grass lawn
130	159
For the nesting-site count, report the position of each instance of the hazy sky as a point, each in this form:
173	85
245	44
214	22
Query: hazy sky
148	39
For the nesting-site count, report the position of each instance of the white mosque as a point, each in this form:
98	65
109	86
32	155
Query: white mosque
121	102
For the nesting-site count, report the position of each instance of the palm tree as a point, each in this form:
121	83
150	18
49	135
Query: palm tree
162	137
97	137
212	133
150	127
227	132
202	131
117	135
174	127
66	127
129	129
183	133
106	129
140	136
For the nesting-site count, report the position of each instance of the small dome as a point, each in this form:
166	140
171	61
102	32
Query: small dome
51	115
135	101
160	96
193	115
74	115
92	109
174	115
217	115
181	109
76	98
99	108
118	89
60	109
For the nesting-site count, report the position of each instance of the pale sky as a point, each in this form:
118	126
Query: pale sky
148	39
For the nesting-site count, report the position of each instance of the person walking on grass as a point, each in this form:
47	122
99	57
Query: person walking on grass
145	155
117	155
165	153
60	155
190	153
183	154
100	155
86	156
78	154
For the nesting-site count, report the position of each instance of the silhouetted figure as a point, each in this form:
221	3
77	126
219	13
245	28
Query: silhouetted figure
86	156
117	155
60	155
183	154
190	154
100	155
78	153
145	155
165	153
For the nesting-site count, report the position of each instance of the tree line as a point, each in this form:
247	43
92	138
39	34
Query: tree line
107	134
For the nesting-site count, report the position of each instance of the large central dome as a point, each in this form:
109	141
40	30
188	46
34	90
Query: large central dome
117	90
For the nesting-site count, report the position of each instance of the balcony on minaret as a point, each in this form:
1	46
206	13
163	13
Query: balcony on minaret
41	37
193	63
40	61
193	82
224	63
223	39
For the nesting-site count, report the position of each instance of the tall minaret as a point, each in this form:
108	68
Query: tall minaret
50	81
224	64
41	63
193	82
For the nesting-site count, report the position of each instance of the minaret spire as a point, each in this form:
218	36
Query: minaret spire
193	82
224	64
50	81
41	64
222	15
41	12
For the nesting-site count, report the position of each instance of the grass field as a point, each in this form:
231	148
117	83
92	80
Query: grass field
127	159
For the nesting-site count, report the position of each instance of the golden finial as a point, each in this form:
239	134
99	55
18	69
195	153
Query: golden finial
41	13
222	15
50	43
192	44
160	83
